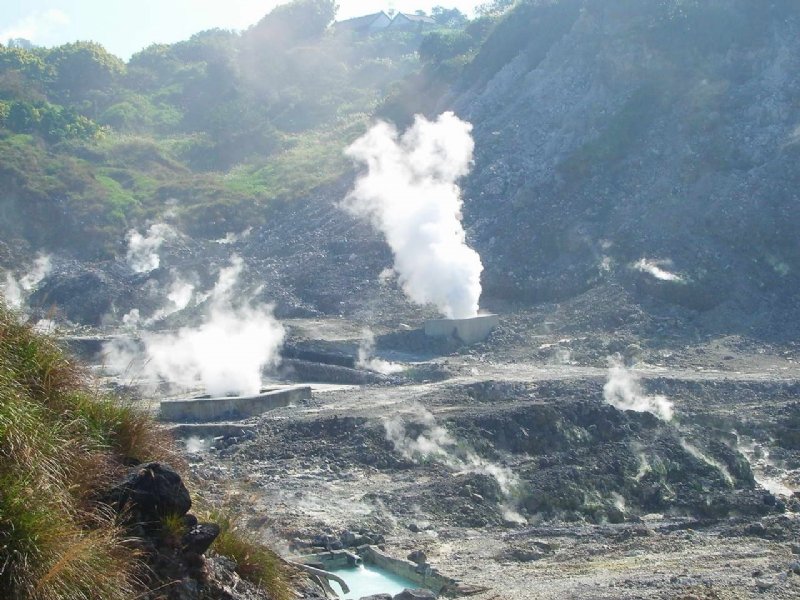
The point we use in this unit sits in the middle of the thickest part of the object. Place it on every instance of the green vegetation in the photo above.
(60, 442)
(226, 123)
(254, 562)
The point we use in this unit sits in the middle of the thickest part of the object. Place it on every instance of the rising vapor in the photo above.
(367, 359)
(225, 354)
(434, 442)
(623, 390)
(16, 291)
(409, 192)
(142, 255)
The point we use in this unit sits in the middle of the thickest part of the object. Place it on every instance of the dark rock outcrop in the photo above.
(200, 537)
(419, 594)
(151, 492)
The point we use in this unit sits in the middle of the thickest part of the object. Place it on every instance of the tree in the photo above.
(448, 17)
(295, 22)
(27, 63)
(439, 46)
(495, 7)
(81, 68)
(22, 117)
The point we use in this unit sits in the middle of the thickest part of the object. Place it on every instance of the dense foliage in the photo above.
(224, 122)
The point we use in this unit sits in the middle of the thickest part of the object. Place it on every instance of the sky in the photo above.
(125, 26)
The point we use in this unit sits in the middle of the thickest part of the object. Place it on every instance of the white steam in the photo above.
(142, 253)
(699, 455)
(409, 193)
(367, 359)
(767, 473)
(16, 291)
(13, 292)
(623, 391)
(179, 296)
(232, 238)
(654, 268)
(225, 354)
(436, 443)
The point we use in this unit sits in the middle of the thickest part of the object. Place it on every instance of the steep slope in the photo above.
(608, 133)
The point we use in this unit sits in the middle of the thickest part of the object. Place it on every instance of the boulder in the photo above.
(418, 556)
(151, 492)
(418, 594)
(200, 537)
(348, 538)
(80, 294)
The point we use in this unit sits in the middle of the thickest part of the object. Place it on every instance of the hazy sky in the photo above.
(126, 26)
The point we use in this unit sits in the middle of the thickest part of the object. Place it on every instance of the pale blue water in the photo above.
(364, 581)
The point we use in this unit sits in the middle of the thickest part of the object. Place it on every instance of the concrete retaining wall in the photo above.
(237, 407)
(422, 575)
(333, 560)
(469, 331)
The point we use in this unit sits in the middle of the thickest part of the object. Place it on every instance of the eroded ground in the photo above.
(506, 466)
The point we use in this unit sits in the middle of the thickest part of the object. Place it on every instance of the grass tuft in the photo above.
(254, 562)
(60, 442)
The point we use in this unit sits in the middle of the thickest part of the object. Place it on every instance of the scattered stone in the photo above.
(763, 585)
(536, 551)
(418, 594)
(199, 539)
(418, 556)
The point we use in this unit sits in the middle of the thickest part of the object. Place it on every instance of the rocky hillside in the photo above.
(650, 143)
(646, 145)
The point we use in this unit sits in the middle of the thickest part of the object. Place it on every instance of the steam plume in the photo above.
(409, 193)
(16, 291)
(367, 360)
(226, 353)
(623, 391)
(142, 253)
(435, 442)
(654, 268)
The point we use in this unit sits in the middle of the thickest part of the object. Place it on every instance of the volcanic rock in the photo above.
(200, 537)
(151, 491)
(419, 594)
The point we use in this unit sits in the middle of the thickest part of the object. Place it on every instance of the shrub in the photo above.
(254, 562)
(59, 441)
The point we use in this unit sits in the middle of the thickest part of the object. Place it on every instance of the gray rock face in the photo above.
(614, 132)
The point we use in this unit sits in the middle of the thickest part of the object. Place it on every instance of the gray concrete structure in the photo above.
(234, 407)
(469, 331)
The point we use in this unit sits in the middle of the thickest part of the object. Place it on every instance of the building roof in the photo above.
(417, 18)
(361, 22)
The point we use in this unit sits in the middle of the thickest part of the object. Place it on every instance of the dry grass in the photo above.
(58, 440)
(254, 562)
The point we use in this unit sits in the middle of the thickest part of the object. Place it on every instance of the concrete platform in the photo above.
(235, 407)
(469, 331)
